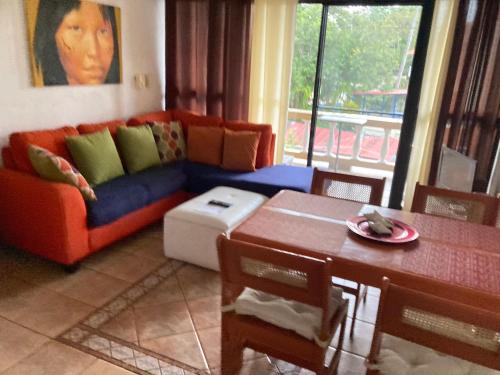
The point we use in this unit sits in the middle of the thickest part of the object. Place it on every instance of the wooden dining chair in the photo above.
(412, 317)
(303, 283)
(354, 188)
(346, 186)
(472, 207)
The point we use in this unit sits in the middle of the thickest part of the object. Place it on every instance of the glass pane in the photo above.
(366, 70)
(371, 143)
(308, 23)
(390, 156)
(297, 134)
(322, 137)
(368, 56)
(344, 143)
(307, 29)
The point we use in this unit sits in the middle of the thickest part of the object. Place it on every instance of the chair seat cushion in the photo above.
(128, 193)
(303, 319)
(401, 357)
(267, 181)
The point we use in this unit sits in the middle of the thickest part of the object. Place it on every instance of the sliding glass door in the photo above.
(356, 68)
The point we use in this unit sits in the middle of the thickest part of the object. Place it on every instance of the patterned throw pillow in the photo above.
(58, 169)
(169, 139)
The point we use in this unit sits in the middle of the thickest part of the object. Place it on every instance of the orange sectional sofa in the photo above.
(50, 219)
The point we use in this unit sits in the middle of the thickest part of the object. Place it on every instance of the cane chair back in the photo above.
(446, 326)
(471, 207)
(354, 188)
(288, 275)
(349, 187)
(283, 274)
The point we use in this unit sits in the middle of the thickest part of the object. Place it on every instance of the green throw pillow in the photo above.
(138, 148)
(96, 157)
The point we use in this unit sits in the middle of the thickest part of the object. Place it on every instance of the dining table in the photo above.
(452, 259)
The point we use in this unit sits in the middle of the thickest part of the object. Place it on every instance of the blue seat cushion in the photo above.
(128, 193)
(267, 181)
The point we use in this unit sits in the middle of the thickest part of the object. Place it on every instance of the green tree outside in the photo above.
(367, 48)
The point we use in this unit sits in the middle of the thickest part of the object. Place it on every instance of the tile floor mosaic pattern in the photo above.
(162, 317)
(88, 337)
(169, 323)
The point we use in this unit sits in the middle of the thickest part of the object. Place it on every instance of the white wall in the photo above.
(23, 107)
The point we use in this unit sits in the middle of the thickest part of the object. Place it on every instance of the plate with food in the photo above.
(378, 228)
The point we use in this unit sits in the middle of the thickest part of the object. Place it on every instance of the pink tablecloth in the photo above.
(451, 258)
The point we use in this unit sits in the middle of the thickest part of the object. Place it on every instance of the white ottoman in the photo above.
(190, 230)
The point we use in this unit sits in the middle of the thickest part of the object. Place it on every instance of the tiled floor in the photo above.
(154, 311)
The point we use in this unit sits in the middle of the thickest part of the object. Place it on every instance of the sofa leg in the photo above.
(72, 268)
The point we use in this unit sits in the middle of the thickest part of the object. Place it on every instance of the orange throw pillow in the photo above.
(240, 150)
(265, 143)
(205, 144)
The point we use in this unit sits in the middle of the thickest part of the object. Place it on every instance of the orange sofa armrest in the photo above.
(271, 150)
(7, 158)
(43, 217)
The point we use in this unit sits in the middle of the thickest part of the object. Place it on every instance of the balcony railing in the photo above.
(365, 141)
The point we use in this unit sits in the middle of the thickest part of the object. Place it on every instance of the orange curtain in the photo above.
(208, 56)
(469, 121)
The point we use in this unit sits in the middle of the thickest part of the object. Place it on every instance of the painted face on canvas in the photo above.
(85, 45)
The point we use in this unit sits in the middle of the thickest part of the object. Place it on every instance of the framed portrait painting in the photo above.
(73, 42)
